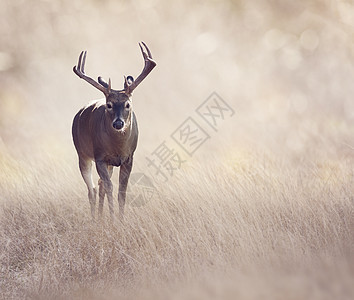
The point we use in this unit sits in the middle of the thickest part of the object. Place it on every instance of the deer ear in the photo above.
(128, 81)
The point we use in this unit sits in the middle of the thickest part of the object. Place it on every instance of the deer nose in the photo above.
(118, 124)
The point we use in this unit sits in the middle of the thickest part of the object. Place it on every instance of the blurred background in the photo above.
(285, 67)
(273, 186)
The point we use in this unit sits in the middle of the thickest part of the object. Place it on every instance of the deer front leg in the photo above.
(103, 172)
(86, 172)
(124, 174)
(102, 191)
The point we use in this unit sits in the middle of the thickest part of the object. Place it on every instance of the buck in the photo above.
(106, 132)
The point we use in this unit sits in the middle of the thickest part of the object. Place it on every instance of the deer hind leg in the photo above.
(86, 172)
(102, 170)
(102, 191)
(124, 174)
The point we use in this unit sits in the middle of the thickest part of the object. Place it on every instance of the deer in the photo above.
(105, 131)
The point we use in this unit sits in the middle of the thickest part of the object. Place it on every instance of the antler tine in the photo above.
(76, 68)
(143, 51)
(83, 62)
(149, 65)
(148, 50)
(79, 70)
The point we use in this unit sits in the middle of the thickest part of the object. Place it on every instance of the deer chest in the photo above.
(116, 161)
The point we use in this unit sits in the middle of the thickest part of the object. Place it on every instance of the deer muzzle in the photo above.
(118, 124)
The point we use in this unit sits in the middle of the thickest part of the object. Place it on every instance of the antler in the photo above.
(79, 71)
(149, 65)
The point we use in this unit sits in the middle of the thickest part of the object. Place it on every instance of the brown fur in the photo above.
(106, 132)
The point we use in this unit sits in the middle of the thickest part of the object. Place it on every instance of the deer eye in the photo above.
(127, 105)
(109, 106)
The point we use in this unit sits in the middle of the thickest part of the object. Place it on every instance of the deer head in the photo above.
(118, 102)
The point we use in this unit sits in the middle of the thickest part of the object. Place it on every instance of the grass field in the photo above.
(275, 231)
(264, 208)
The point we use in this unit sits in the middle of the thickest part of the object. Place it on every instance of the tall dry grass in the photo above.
(264, 209)
(271, 231)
